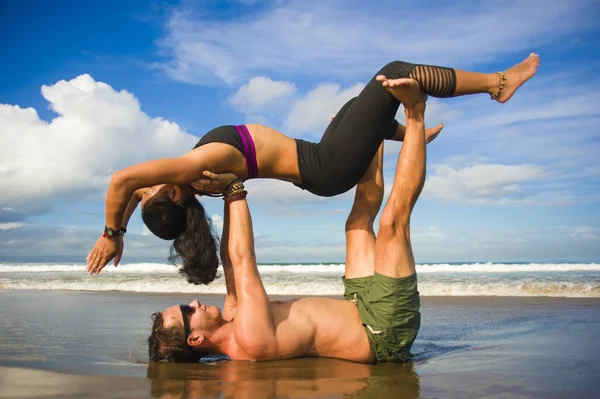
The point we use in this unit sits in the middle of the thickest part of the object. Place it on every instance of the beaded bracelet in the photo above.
(233, 193)
(234, 185)
(233, 188)
(235, 197)
(238, 180)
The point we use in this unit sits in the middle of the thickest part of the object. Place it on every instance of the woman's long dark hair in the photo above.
(195, 246)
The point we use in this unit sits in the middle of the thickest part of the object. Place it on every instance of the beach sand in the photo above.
(61, 344)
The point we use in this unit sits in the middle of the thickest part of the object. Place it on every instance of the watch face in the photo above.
(111, 232)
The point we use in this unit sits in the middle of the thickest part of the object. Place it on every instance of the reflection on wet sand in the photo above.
(299, 378)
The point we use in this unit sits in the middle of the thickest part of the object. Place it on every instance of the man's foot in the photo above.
(405, 90)
(432, 133)
(517, 75)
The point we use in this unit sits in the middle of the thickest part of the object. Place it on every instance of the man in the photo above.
(376, 322)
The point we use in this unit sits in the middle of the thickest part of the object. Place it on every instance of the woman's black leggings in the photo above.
(338, 162)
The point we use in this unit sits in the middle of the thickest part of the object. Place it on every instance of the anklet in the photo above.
(497, 94)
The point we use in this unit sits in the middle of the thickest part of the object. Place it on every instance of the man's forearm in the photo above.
(400, 132)
(241, 251)
(230, 305)
(241, 236)
(225, 258)
(415, 118)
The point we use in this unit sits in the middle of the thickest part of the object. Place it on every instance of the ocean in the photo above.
(573, 280)
(497, 330)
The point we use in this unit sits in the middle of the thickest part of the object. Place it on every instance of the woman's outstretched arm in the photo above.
(124, 183)
(121, 189)
(133, 203)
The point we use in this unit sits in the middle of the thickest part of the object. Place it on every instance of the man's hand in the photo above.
(214, 183)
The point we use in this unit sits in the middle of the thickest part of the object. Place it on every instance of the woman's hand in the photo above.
(103, 252)
(214, 183)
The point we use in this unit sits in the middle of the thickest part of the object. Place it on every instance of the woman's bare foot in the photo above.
(517, 75)
(405, 90)
(432, 133)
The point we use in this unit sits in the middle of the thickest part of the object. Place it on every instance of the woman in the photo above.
(334, 165)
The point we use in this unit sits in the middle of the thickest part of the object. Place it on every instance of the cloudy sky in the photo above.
(87, 88)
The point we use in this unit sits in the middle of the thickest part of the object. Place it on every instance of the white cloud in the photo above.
(584, 233)
(8, 226)
(481, 184)
(427, 235)
(437, 112)
(313, 112)
(490, 243)
(145, 230)
(304, 253)
(217, 222)
(98, 131)
(548, 104)
(336, 37)
(259, 92)
(36, 240)
(270, 191)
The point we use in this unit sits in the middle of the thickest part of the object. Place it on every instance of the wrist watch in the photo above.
(111, 233)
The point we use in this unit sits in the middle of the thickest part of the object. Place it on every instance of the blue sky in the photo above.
(87, 88)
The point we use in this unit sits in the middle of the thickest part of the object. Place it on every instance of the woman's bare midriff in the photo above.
(276, 154)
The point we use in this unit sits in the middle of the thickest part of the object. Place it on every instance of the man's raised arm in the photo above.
(254, 330)
(230, 305)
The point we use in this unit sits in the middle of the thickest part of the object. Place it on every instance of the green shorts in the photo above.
(389, 310)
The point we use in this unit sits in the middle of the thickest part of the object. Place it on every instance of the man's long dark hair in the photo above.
(195, 245)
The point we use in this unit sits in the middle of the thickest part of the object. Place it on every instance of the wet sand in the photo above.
(85, 344)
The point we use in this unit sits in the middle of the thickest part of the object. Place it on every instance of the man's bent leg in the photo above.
(360, 236)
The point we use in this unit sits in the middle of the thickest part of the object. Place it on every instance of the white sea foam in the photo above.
(318, 268)
(466, 288)
(541, 289)
(476, 279)
(506, 267)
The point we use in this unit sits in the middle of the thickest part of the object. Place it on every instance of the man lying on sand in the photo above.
(378, 319)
